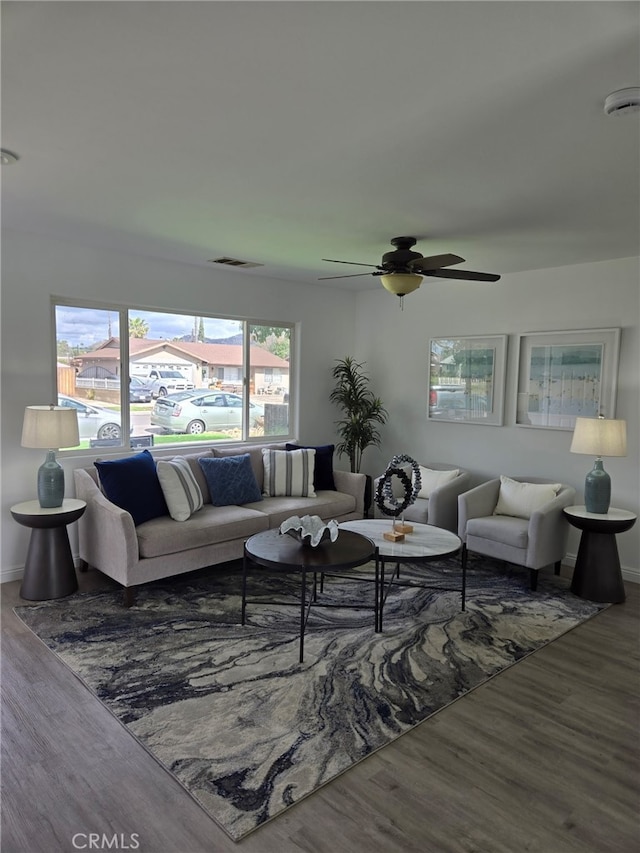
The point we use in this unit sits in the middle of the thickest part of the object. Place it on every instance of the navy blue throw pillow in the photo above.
(231, 480)
(132, 484)
(323, 472)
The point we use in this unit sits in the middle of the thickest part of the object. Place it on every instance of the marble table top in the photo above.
(614, 514)
(33, 507)
(426, 542)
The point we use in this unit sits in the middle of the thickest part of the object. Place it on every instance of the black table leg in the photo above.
(244, 588)
(381, 595)
(464, 583)
(49, 571)
(376, 605)
(597, 575)
(303, 607)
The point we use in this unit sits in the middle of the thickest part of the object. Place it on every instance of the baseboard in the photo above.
(16, 573)
(8, 575)
(628, 574)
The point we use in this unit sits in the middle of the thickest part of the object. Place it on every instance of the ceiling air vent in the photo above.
(235, 262)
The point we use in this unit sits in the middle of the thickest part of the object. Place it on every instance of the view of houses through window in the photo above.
(172, 378)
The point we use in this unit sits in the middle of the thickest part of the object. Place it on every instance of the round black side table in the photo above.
(597, 575)
(48, 571)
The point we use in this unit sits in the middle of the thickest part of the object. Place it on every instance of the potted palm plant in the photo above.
(363, 413)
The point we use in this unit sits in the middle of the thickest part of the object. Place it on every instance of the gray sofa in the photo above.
(110, 542)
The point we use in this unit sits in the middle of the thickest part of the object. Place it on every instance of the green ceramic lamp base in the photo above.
(597, 489)
(50, 482)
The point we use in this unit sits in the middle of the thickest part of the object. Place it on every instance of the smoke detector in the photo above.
(623, 101)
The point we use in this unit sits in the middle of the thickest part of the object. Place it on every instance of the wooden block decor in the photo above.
(404, 528)
(393, 536)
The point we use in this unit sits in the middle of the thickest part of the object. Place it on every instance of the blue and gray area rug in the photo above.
(248, 730)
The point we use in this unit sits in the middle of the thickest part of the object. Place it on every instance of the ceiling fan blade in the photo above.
(463, 275)
(435, 262)
(355, 275)
(353, 263)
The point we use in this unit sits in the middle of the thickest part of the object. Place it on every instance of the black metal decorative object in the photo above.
(402, 459)
(386, 501)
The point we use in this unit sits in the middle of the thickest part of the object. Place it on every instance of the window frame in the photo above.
(123, 313)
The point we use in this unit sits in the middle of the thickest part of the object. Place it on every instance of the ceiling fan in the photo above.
(401, 271)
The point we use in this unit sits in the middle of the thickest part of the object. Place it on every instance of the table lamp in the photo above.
(50, 427)
(599, 437)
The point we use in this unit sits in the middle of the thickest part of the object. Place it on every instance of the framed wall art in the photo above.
(466, 379)
(565, 375)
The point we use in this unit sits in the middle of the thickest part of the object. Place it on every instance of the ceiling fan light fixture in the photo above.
(623, 101)
(400, 283)
(8, 158)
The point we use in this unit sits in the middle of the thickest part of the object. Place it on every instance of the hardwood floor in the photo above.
(542, 758)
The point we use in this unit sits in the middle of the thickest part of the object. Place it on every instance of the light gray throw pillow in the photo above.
(181, 491)
(289, 472)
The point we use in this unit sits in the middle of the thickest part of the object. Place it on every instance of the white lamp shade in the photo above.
(599, 437)
(401, 283)
(50, 427)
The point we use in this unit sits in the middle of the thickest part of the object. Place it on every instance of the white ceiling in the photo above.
(287, 132)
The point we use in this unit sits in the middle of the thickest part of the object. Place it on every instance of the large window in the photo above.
(171, 378)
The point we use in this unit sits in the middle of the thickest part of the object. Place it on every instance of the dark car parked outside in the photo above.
(138, 391)
(98, 378)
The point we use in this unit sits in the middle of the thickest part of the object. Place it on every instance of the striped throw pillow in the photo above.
(288, 472)
(180, 488)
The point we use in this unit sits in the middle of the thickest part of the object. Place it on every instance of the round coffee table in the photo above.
(426, 543)
(283, 554)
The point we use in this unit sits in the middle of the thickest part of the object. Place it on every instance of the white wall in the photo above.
(34, 268)
(395, 344)
(369, 326)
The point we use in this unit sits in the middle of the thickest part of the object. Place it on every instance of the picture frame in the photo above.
(564, 375)
(467, 379)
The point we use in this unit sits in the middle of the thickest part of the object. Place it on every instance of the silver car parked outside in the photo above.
(195, 412)
(93, 421)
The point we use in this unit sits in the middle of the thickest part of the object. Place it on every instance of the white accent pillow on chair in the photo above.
(522, 499)
(430, 480)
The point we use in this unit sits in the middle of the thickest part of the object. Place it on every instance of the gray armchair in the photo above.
(440, 509)
(534, 542)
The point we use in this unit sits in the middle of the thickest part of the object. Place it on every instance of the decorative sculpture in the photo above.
(310, 530)
(394, 506)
